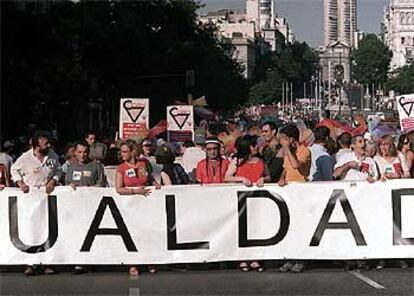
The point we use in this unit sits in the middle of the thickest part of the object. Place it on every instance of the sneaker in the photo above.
(380, 265)
(298, 267)
(286, 267)
(350, 265)
(363, 265)
(403, 264)
(48, 270)
(79, 270)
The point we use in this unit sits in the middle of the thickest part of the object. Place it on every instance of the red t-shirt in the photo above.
(251, 171)
(134, 176)
(205, 174)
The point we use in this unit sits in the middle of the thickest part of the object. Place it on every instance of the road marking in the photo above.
(133, 292)
(366, 280)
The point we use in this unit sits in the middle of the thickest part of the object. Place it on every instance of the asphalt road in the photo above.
(322, 281)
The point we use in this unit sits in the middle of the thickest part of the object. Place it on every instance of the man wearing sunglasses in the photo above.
(213, 168)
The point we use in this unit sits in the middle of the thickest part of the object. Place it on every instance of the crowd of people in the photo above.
(267, 153)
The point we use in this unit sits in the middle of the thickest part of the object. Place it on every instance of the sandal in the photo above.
(256, 266)
(152, 269)
(133, 271)
(244, 267)
(29, 270)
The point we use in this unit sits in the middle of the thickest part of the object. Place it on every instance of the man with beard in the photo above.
(270, 152)
(37, 167)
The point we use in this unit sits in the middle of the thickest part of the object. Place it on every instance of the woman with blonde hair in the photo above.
(132, 177)
(389, 164)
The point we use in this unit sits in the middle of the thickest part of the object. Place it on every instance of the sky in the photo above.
(306, 16)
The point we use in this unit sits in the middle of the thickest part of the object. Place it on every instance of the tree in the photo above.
(402, 80)
(371, 61)
(296, 63)
(57, 60)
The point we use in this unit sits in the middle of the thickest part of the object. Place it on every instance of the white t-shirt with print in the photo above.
(366, 167)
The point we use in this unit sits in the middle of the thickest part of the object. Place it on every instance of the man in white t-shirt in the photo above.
(356, 166)
(38, 166)
(345, 142)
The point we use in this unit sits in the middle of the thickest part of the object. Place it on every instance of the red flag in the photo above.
(158, 129)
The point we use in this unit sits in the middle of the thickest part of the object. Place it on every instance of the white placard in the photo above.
(405, 106)
(180, 118)
(133, 117)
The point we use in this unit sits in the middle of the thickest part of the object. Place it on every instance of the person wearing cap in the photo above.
(147, 152)
(171, 173)
(213, 168)
(147, 148)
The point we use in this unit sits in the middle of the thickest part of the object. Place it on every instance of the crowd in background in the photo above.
(298, 150)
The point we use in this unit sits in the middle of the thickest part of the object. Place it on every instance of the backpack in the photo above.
(180, 176)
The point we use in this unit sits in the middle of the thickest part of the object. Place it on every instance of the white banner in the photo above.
(405, 106)
(133, 117)
(178, 224)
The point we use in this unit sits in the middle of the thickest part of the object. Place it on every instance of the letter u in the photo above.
(14, 226)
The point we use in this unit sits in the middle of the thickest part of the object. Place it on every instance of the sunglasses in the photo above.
(406, 143)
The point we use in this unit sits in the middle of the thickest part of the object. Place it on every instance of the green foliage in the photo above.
(402, 80)
(371, 61)
(57, 60)
(296, 63)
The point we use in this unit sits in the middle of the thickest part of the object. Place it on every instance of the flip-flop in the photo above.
(244, 267)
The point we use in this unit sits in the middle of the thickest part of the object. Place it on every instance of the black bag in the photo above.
(180, 176)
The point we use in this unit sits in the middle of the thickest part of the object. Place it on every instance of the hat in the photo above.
(164, 154)
(213, 140)
(146, 142)
(163, 150)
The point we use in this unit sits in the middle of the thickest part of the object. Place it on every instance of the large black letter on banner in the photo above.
(172, 229)
(121, 229)
(351, 223)
(396, 213)
(14, 226)
(284, 219)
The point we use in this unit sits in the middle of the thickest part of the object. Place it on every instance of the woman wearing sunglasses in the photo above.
(389, 164)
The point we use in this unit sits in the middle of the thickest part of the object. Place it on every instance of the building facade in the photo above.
(256, 29)
(340, 21)
(398, 31)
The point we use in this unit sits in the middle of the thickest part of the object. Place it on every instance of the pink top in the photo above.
(135, 176)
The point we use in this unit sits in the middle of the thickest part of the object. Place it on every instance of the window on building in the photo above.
(402, 18)
(402, 40)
